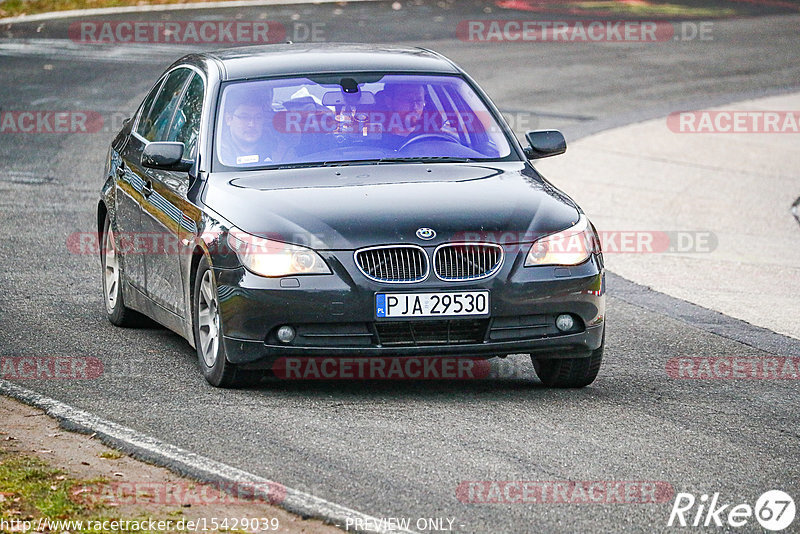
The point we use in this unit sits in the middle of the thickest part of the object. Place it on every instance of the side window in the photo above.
(160, 114)
(144, 125)
(185, 126)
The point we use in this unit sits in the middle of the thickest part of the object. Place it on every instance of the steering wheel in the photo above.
(423, 137)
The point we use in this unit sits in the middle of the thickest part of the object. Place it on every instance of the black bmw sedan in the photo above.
(346, 200)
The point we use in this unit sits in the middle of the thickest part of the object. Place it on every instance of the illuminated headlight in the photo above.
(567, 247)
(273, 258)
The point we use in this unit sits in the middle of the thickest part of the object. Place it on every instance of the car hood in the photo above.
(349, 207)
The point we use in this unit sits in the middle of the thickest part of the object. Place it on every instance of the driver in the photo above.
(405, 103)
(244, 139)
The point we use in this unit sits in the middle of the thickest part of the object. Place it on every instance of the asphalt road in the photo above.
(402, 449)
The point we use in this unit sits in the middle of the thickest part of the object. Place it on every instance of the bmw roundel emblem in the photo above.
(426, 233)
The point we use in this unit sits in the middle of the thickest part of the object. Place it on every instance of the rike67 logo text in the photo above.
(774, 510)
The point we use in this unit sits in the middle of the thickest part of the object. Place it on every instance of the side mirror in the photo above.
(545, 143)
(165, 155)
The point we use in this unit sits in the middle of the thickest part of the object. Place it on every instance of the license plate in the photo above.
(432, 304)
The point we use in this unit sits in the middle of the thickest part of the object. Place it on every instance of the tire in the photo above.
(216, 368)
(569, 372)
(112, 278)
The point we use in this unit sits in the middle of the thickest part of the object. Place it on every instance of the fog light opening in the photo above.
(565, 322)
(286, 334)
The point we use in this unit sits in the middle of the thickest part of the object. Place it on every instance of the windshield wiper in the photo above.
(312, 164)
(375, 161)
(427, 159)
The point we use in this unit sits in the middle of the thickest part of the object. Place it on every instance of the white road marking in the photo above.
(24, 177)
(184, 462)
(64, 48)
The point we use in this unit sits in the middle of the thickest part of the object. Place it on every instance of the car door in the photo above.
(167, 213)
(154, 117)
(129, 195)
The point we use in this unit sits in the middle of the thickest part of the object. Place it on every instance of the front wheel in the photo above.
(217, 370)
(569, 372)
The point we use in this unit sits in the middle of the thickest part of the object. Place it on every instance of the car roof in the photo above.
(287, 59)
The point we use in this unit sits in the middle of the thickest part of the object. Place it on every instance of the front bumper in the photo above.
(334, 315)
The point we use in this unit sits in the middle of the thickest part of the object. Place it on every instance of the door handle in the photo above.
(147, 188)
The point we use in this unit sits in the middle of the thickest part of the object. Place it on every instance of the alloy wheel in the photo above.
(208, 320)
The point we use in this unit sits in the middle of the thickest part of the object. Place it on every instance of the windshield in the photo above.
(342, 118)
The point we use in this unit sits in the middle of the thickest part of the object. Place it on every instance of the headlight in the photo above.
(273, 258)
(567, 247)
